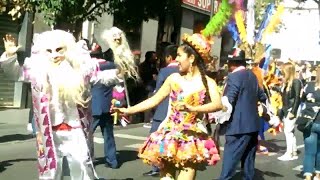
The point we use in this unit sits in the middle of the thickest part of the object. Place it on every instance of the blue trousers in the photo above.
(311, 161)
(154, 127)
(105, 122)
(240, 147)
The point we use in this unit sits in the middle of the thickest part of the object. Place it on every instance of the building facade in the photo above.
(15, 94)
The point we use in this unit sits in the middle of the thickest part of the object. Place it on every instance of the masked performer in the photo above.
(60, 74)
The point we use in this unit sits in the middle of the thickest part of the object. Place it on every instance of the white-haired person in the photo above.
(61, 75)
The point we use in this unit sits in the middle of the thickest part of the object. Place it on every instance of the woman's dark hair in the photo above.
(200, 64)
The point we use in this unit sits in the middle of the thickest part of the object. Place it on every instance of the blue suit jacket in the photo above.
(102, 94)
(162, 109)
(243, 94)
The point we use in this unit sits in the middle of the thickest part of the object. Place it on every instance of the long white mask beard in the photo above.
(69, 84)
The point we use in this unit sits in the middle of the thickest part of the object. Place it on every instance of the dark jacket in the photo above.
(162, 109)
(308, 96)
(243, 94)
(291, 99)
(102, 94)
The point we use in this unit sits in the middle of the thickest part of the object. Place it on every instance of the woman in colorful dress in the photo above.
(182, 143)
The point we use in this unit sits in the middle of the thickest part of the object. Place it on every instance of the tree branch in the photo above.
(95, 7)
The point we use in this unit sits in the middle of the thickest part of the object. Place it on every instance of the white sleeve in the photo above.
(106, 77)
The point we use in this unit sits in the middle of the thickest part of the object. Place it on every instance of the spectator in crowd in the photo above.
(148, 72)
(291, 101)
(311, 132)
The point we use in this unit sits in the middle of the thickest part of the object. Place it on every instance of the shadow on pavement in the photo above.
(5, 164)
(300, 175)
(123, 156)
(259, 175)
(272, 146)
(15, 137)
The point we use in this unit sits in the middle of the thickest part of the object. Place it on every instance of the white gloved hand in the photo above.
(223, 116)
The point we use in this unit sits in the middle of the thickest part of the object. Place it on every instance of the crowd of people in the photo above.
(76, 88)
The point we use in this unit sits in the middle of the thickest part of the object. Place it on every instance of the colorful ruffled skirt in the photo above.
(181, 148)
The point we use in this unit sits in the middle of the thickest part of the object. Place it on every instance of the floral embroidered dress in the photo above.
(180, 140)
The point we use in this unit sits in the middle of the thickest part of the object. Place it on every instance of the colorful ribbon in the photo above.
(274, 21)
(240, 25)
(266, 19)
(232, 28)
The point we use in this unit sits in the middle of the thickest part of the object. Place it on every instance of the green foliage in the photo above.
(132, 12)
(53, 11)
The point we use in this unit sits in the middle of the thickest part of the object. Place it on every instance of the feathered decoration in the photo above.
(275, 20)
(219, 20)
(238, 3)
(232, 28)
(240, 24)
(265, 21)
(250, 22)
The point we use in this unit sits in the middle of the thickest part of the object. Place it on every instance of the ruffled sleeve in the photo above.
(94, 74)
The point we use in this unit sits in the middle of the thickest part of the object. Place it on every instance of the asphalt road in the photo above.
(17, 157)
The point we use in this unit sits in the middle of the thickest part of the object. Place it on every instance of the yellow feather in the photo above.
(275, 20)
(240, 24)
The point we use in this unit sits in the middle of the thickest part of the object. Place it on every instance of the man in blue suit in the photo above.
(160, 114)
(241, 131)
(101, 104)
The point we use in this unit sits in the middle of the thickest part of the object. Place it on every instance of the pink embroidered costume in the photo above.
(61, 75)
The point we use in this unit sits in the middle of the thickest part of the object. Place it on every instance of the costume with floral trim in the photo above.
(180, 140)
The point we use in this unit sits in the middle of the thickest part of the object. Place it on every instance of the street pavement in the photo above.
(17, 156)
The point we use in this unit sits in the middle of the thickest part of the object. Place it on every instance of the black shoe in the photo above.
(152, 173)
(107, 165)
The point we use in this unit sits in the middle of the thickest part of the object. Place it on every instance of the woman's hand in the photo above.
(124, 111)
(10, 45)
(182, 106)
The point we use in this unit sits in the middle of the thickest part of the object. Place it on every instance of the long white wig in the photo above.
(66, 79)
(123, 56)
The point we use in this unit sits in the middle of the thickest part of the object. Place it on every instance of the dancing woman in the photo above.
(181, 142)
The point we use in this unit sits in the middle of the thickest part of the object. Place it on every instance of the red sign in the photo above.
(204, 5)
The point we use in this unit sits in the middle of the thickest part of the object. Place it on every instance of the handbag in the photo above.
(310, 112)
(306, 118)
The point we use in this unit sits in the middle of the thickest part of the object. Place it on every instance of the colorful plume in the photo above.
(219, 20)
(240, 24)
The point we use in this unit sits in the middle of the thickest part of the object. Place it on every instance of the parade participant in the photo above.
(170, 54)
(60, 75)
(291, 101)
(243, 93)
(181, 142)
